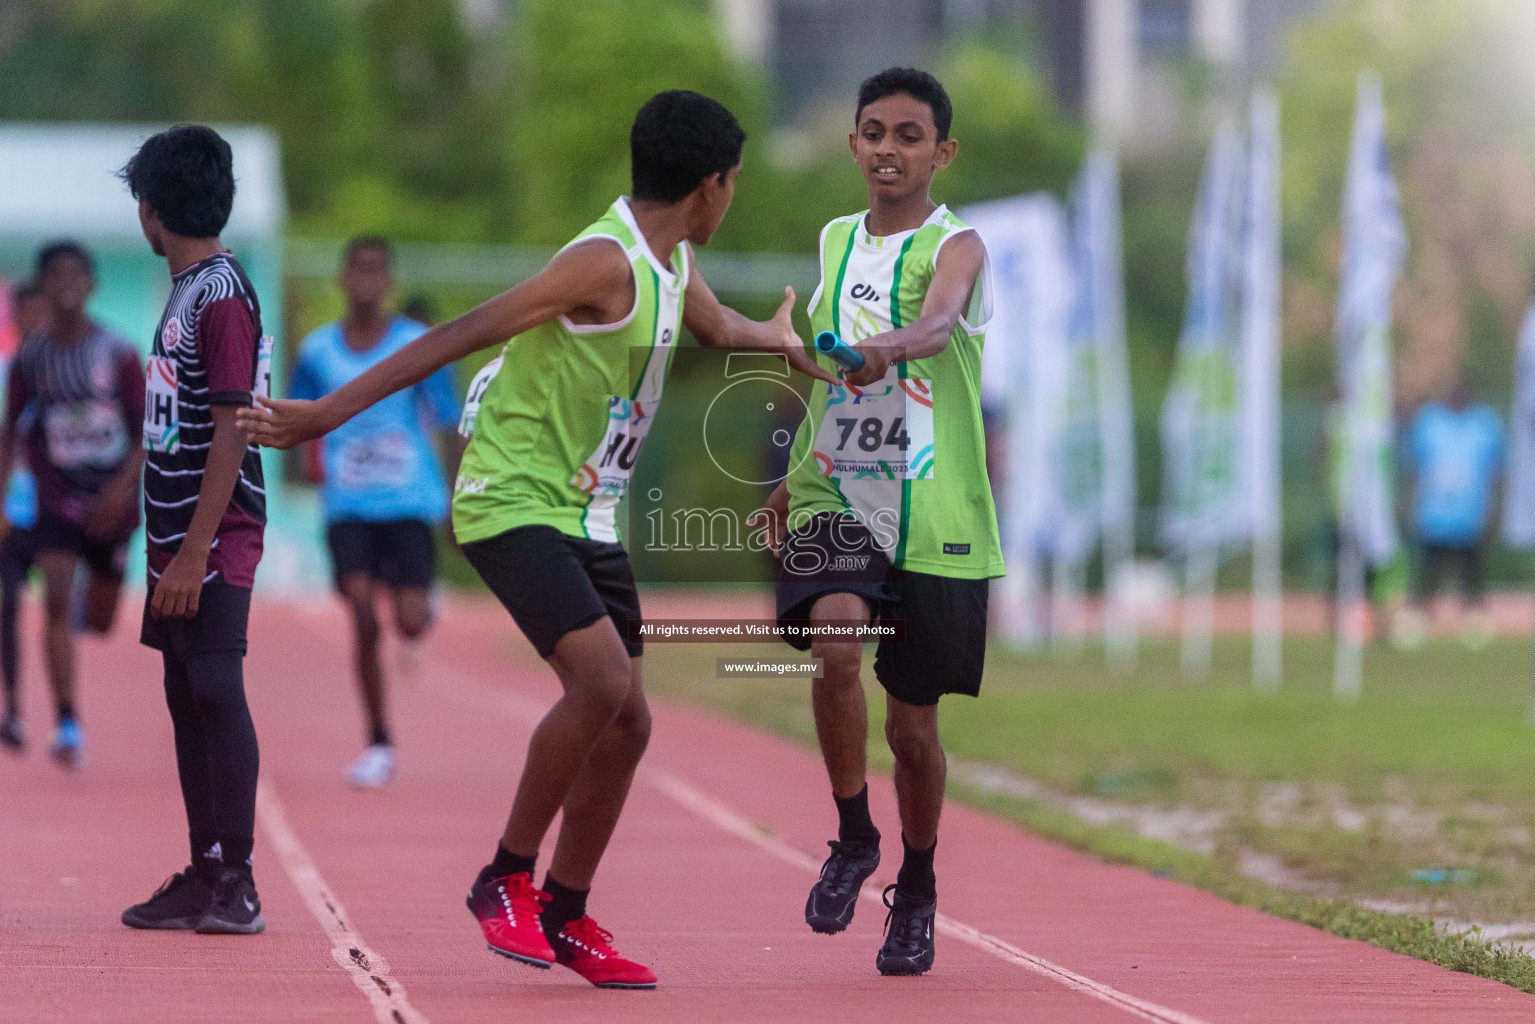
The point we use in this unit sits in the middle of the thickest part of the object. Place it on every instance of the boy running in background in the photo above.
(556, 424)
(76, 394)
(893, 517)
(205, 502)
(18, 549)
(383, 489)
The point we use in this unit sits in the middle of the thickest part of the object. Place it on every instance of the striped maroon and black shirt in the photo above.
(211, 329)
(77, 408)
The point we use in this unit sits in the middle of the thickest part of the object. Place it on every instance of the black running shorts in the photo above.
(554, 583)
(17, 553)
(396, 552)
(223, 612)
(944, 648)
(106, 559)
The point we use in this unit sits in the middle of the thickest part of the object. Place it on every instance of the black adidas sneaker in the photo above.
(235, 910)
(834, 896)
(176, 906)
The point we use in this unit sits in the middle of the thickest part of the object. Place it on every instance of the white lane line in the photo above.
(729, 821)
(368, 970)
(527, 711)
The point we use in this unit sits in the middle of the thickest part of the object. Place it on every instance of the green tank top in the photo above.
(906, 455)
(556, 421)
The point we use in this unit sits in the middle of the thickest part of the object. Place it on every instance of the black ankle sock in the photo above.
(65, 710)
(237, 853)
(207, 857)
(853, 822)
(506, 863)
(567, 905)
(378, 736)
(916, 878)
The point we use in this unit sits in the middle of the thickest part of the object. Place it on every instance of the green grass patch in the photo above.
(1399, 933)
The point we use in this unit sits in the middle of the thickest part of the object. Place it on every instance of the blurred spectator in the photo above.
(1455, 455)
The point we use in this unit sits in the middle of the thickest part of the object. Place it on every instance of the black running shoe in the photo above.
(908, 947)
(834, 896)
(235, 910)
(176, 906)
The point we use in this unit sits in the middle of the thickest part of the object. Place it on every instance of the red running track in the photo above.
(363, 891)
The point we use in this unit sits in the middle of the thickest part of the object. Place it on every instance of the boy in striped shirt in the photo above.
(205, 508)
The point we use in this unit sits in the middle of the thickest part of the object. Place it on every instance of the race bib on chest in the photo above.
(884, 431)
(477, 389)
(379, 461)
(606, 472)
(162, 421)
(85, 435)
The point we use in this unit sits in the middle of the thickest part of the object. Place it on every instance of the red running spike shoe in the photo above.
(585, 947)
(507, 909)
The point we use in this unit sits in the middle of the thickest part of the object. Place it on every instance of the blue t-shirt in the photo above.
(1456, 458)
(380, 465)
(20, 502)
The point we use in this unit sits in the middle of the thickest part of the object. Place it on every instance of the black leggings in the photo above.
(216, 753)
(10, 613)
(16, 553)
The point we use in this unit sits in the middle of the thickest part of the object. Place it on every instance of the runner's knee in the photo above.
(412, 615)
(840, 663)
(601, 691)
(101, 606)
(633, 726)
(913, 740)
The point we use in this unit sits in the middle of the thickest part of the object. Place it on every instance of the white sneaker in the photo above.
(374, 768)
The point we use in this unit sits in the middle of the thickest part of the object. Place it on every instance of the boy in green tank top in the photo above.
(555, 424)
(887, 507)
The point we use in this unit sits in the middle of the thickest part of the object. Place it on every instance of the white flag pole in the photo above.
(1199, 610)
(1260, 330)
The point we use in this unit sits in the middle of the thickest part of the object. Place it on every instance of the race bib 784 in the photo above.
(883, 431)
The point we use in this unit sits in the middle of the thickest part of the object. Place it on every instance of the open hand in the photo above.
(793, 347)
(283, 423)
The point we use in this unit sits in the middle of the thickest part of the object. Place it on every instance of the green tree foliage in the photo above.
(580, 72)
(393, 118)
(1460, 110)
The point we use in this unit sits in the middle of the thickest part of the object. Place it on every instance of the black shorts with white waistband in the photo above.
(943, 649)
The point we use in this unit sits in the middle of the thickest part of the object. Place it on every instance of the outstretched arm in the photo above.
(716, 325)
(592, 278)
(954, 276)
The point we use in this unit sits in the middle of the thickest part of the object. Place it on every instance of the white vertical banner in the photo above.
(1024, 370)
(1259, 386)
(1374, 251)
(1101, 308)
(1202, 509)
(1519, 494)
(1519, 497)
